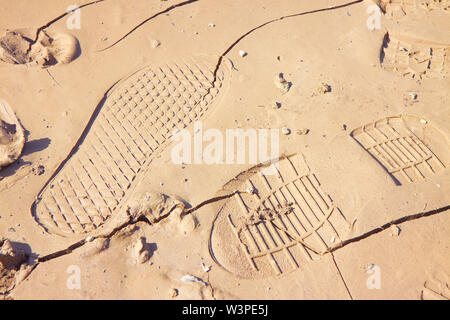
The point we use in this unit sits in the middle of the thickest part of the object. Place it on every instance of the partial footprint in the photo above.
(12, 137)
(409, 148)
(131, 126)
(276, 223)
(397, 9)
(17, 47)
(436, 289)
(415, 58)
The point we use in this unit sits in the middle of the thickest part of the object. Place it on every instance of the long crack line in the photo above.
(388, 225)
(223, 55)
(148, 19)
(130, 221)
(276, 20)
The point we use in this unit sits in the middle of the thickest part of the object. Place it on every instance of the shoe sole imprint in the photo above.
(408, 148)
(435, 289)
(415, 58)
(399, 8)
(286, 221)
(132, 124)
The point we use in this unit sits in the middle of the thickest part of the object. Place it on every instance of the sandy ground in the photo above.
(94, 205)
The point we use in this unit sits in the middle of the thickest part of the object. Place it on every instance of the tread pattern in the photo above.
(134, 124)
(287, 220)
(398, 149)
(400, 8)
(416, 59)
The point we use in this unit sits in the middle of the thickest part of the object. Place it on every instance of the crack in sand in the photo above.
(388, 225)
(142, 218)
(223, 55)
(131, 221)
(341, 276)
(51, 76)
(148, 19)
(276, 20)
(211, 200)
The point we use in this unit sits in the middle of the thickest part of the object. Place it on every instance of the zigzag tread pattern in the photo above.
(135, 123)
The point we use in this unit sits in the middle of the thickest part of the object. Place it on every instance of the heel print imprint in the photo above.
(414, 58)
(398, 144)
(278, 224)
(435, 289)
(132, 124)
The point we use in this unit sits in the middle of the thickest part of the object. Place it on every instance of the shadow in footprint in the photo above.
(384, 45)
(29, 148)
(149, 247)
(35, 146)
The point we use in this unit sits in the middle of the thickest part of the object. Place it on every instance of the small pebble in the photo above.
(39, 170)
(282, 84)
(302, 132)
(242, 53)
(395, 230)
(251, 190)
(173, 293)
(211, 25)
(423, 121)
(413, 95)
(276, 105)
(155, 43)
(285, 131)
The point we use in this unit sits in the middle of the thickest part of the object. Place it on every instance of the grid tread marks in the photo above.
(287, 220)
(405, 156)
(135, 122)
